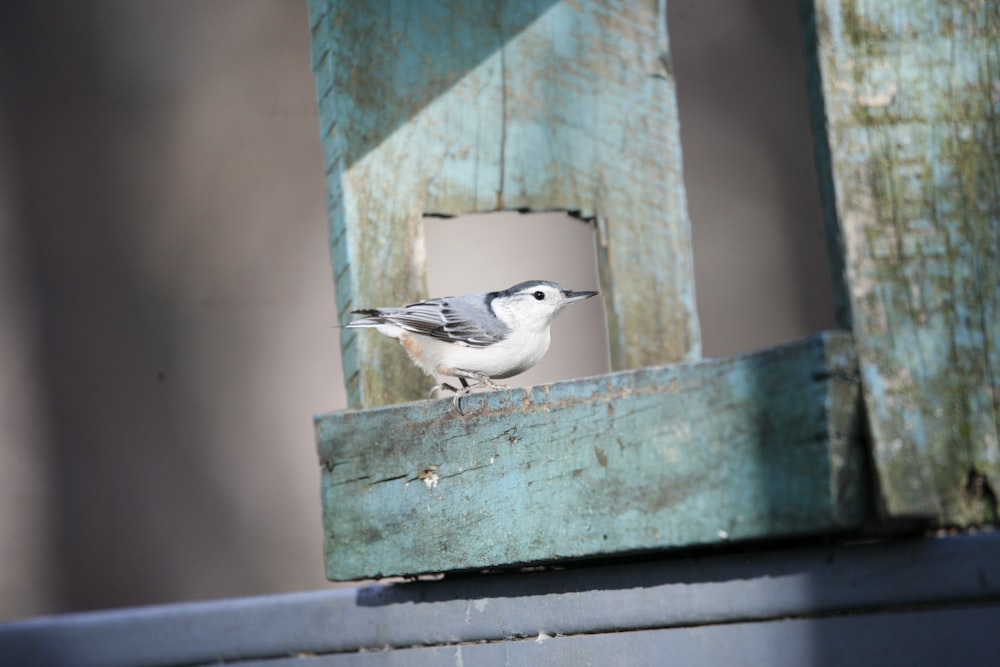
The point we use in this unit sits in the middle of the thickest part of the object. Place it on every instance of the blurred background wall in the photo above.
(167, 323)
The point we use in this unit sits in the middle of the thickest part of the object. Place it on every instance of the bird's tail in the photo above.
(373, 318)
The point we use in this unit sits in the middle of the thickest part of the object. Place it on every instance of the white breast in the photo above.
(509, 357)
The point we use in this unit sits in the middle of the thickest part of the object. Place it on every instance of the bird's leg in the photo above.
(457, 401)
(480, 379)
(490, 383)
(443, 385)
(458, 391)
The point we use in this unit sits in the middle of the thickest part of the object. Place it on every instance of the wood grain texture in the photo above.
(701, 453)
(906, 120)
(458, 107)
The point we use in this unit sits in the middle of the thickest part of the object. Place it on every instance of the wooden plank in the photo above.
(719, 588)
(459, 107)
(906, 118)
(701, 453)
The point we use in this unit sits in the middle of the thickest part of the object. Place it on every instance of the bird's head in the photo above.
(533, 304)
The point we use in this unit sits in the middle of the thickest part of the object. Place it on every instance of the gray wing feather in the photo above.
(465, 320)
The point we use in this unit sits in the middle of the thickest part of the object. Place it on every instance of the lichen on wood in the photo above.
(905, 114)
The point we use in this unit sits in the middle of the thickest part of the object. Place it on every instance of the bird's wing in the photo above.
(470, 321)
(464, 321)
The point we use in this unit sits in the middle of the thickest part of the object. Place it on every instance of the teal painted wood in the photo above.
(906, 118)
(459, 107)
(701, 453)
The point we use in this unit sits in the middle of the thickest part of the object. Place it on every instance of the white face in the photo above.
(535, 305)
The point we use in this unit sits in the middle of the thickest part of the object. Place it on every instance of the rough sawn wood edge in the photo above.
(761, 446)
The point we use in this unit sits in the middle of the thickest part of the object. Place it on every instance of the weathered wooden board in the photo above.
(906, 117)
(457, 107)
(701, 453)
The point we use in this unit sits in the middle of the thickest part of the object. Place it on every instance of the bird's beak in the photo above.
(572, 296)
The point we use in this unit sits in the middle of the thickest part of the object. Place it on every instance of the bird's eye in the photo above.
(540, 295)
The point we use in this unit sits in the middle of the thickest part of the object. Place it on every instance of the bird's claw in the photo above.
(443, 385)
(478, 380)
(491, 384)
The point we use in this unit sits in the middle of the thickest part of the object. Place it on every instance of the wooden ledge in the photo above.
(765, 445)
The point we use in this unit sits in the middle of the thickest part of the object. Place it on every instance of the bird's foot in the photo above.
(438, 387)
(477, 380)
(483, 380)
(457, 400)
(458, 391)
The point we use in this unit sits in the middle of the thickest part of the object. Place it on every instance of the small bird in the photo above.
(478, 337)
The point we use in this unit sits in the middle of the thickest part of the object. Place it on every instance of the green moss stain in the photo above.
(910, 105)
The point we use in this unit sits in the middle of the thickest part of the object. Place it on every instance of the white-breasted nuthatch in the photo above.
(478, 337)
